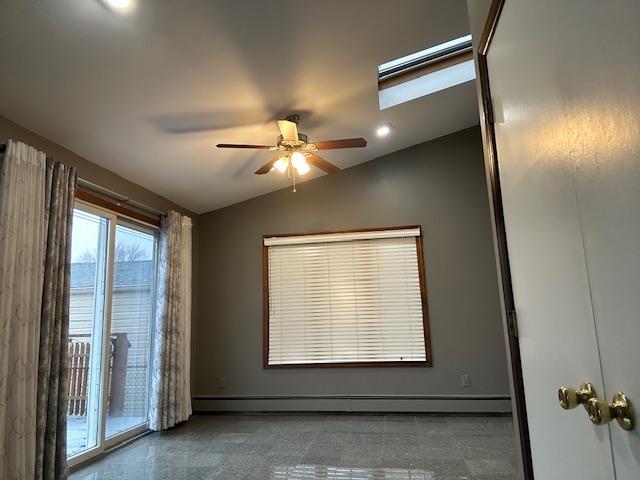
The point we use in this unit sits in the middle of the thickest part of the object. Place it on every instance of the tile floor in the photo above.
(309, 447)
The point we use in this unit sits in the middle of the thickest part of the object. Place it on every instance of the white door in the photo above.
(565, 84)
(604, 100)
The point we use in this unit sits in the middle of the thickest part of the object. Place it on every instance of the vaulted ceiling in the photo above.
(149, 94)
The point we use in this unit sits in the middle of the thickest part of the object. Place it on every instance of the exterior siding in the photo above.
(131, 314)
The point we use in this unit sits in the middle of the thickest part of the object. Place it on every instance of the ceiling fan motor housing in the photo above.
(295, 118)
(301, 137)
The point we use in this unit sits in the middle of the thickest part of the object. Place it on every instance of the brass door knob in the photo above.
(602, 412)
(571, 398)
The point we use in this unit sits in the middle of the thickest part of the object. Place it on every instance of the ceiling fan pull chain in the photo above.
(293, 170)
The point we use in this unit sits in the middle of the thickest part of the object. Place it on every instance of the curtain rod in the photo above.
(109, 193)
(87, 185)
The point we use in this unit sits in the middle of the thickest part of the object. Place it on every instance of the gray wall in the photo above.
(439, 185)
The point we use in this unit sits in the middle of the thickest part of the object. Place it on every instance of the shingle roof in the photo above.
(125, 274)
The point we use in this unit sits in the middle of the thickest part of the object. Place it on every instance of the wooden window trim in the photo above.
(420, 71)
(99, 201)
(423, 295)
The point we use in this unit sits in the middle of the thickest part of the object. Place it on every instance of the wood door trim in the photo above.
(491, 164)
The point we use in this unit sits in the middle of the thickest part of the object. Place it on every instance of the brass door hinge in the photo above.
(512, 322)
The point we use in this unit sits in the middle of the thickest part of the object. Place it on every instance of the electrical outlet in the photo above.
(465, 380)
(222, 382)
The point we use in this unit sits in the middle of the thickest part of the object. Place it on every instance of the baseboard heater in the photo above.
(351, 397)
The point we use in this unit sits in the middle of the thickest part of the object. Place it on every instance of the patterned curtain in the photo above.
(22, 239)
(36, 201)
(52, 402)
(170, 382)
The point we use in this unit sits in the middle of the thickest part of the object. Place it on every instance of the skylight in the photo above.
(427, 71)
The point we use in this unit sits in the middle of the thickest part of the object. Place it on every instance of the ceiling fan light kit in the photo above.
(296, 154)
(299, 162)
(282, 164)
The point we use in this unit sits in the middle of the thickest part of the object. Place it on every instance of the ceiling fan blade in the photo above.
(344, 143)
(289, 130)
(266, 168)
(242, 145)
(321, 163)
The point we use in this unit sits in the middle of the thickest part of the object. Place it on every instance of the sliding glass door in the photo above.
(113, 274)
(87, 313)
(131, 315)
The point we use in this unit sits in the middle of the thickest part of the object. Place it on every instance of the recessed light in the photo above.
(119, 5)
(383, 130)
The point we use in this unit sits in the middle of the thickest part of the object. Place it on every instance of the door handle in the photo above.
(602, 412)
(570, 398)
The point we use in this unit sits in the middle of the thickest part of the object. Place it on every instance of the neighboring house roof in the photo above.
(126, 274)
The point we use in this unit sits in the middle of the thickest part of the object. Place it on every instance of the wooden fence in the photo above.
(79, 358)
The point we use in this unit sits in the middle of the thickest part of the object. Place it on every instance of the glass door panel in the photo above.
(132, 309)
(89, 252)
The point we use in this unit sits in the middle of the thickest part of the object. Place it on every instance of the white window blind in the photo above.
(345, 298)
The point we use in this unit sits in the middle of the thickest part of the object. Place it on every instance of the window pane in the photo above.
(131, 318)
(86, 320)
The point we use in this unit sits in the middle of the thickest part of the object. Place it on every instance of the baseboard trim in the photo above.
(353, 403)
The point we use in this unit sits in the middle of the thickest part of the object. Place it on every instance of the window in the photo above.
(345, 299)
(425, 72)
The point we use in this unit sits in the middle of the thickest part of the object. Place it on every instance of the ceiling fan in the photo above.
(295, 153)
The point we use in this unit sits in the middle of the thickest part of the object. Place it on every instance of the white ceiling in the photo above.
(123, 91)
